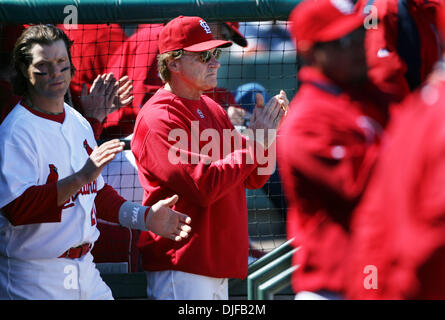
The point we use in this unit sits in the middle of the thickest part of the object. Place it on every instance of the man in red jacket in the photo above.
(173, 154)
(137, 60)
(398, 243)
(328, 143)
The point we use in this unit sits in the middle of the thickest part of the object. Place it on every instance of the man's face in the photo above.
(50, 70)
(196, 74)
(344, 60)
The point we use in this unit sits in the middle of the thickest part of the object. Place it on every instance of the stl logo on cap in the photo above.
(205, 26)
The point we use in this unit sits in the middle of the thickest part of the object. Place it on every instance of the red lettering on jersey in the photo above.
(89, 188)
(93, 215)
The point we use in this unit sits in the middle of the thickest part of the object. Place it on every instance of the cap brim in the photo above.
(208, 45)
(237, 37)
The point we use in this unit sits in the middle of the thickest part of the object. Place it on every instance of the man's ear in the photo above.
(173, 65)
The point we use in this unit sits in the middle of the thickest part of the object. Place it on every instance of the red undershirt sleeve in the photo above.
(38, 204)
(97, 127)
(108, 203)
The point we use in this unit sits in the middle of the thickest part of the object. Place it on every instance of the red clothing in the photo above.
(404, 47)
(424, 14)
(224, 97)
(399, 225)
(212, 194)
(120, 123)
(115, 243)
(95, 45)
(38, 204)
(386, 67)
(9, 33)
(138, 60)
(8, 100)
(327, 147)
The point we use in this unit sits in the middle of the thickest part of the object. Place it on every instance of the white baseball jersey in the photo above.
(33, 151)
(30, 148)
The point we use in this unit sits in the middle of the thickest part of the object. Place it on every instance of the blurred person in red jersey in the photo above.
(328, 143)
(402, 44)
(212, 187)
(398, 242)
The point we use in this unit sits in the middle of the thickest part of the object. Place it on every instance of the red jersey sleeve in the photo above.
(266, 166)
(331, 152)
(108, 203)
(265, 159)
(38, 204)
(97, 127)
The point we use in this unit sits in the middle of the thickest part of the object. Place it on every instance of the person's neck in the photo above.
(45, 105)
(182, 91)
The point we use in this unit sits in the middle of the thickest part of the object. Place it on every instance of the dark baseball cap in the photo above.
(237, 37)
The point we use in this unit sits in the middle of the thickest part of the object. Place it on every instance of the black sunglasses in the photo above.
(205, 56)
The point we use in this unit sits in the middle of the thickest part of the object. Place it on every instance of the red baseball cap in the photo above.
(237, 37)
(188, 33)
(322, 21)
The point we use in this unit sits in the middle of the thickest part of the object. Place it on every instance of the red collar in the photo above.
(54, 117)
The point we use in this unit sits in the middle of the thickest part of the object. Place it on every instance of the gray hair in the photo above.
(163, 59)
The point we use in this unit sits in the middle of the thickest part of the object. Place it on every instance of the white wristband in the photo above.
(132, 215)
